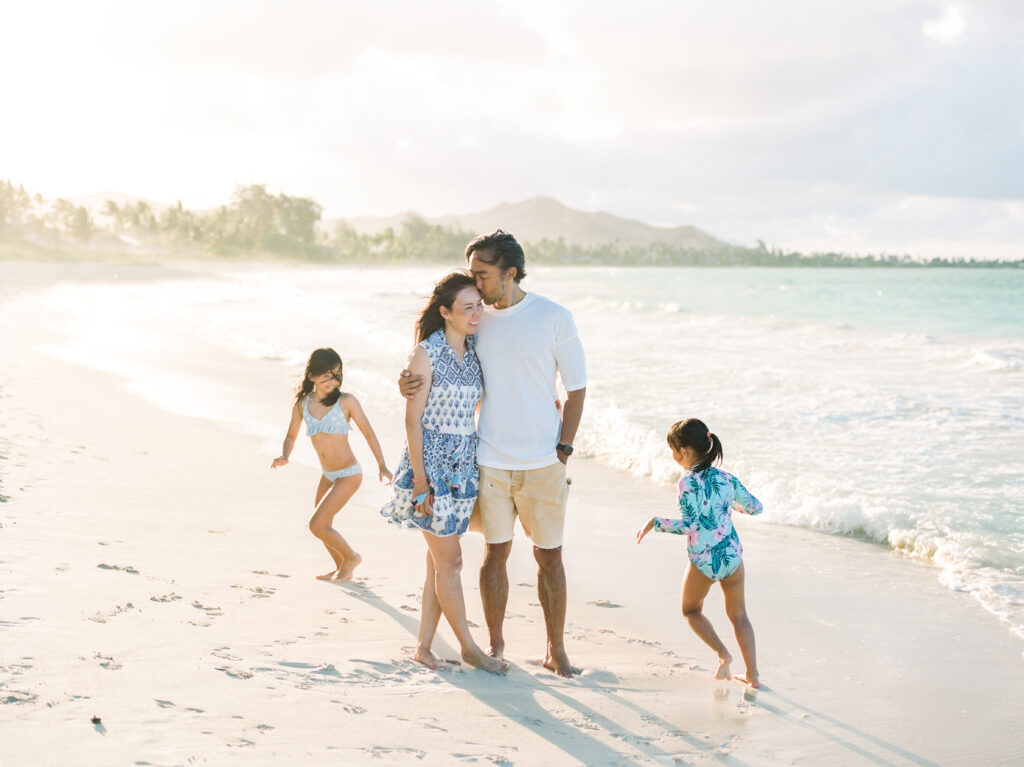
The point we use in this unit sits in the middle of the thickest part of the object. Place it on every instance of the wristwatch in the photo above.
(566, 449)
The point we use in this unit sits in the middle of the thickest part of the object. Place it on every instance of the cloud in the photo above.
(947, 28)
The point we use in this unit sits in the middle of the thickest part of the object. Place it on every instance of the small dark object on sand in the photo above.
(96, 720)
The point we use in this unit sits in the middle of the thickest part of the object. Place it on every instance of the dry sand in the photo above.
(156, 574)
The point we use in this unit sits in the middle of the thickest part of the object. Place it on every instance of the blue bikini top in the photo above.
(333, 421)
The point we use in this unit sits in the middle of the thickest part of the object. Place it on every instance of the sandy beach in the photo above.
(156, 575)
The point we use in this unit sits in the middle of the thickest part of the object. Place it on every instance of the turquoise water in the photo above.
(883, 404)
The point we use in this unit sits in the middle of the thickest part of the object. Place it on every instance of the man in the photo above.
(524, 341)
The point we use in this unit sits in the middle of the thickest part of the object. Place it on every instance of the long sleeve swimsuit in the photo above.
(706, 501)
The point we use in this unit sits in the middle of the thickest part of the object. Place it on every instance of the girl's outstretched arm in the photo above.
(743, 500)
(355, 412)
(684, 524)
(644, 530)
(289, 438)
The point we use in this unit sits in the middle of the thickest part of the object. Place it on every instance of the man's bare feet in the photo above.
(479, 659)
(349, 567)
(723, 671)
(426, 657)
(558, 662)
(749, 679)
(328, 576)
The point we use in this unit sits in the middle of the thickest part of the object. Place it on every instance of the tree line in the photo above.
(258, 222)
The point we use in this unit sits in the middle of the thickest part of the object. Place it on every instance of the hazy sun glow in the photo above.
(803, 124)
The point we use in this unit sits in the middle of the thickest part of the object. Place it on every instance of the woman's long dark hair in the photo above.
(693, 433)
(444, 294)
(320, 361)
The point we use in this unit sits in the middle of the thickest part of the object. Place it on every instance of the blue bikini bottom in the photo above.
(348, 471)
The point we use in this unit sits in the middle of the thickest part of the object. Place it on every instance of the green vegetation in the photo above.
(257, 223)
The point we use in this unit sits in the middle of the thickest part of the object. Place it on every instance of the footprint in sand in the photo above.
(126, 569)
(163, 703)
(172, 597)
(258, 592)
(349, 708)
(644, 642)
(107, 662)
(223, 654)
(16, 696)
(102, 617)
(603, 603)
(211, 611)
(380, 751)
(235, 673)
(231, 741)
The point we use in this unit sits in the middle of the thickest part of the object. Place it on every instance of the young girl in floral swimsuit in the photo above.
(706, 497)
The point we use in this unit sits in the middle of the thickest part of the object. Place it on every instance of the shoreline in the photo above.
(170, 592)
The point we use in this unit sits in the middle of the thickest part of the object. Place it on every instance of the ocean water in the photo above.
(882, 404)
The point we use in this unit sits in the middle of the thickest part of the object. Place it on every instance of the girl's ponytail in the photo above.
(714, 454)
(694, 434)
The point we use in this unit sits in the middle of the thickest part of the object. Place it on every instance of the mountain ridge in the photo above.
(541, 217)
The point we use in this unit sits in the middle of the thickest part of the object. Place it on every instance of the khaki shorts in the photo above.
(537, 496)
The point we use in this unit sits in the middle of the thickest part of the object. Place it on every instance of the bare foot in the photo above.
(478, 659)
(723, 671)
(349, 567)
(559, 663)
(328, 576)
(497, 649)
(750, 679)
(426, 657)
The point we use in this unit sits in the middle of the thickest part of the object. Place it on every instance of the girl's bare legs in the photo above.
(447, 556)
(695, 587)
(736, 609)
(430, 614)
(329, 502)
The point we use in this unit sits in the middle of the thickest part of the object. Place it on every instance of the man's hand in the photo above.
(408, 384)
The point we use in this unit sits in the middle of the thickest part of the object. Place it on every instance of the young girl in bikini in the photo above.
(706, 497)
(327, 412)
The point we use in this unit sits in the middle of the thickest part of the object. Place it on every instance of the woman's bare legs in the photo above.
(430, 614)
(447, 557)
(736, 609)
(329, 501)
(695, 587)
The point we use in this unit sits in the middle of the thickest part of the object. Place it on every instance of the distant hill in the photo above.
(546, 218)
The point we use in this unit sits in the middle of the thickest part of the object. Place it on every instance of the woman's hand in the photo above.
(644, 530)
(409, 384)
(279, 461)
(426, 507)
(384, 475)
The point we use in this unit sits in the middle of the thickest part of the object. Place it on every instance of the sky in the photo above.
(890, 126)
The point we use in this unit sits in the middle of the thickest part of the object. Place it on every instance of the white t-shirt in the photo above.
(521, 350)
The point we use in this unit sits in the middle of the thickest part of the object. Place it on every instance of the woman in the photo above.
(436, 483)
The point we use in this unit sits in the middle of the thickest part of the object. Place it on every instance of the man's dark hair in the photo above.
(500, 249)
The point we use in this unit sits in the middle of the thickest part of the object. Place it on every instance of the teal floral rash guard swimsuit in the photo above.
(706, 500)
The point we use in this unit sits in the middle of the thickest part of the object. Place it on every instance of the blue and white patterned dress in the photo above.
(449, 443)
